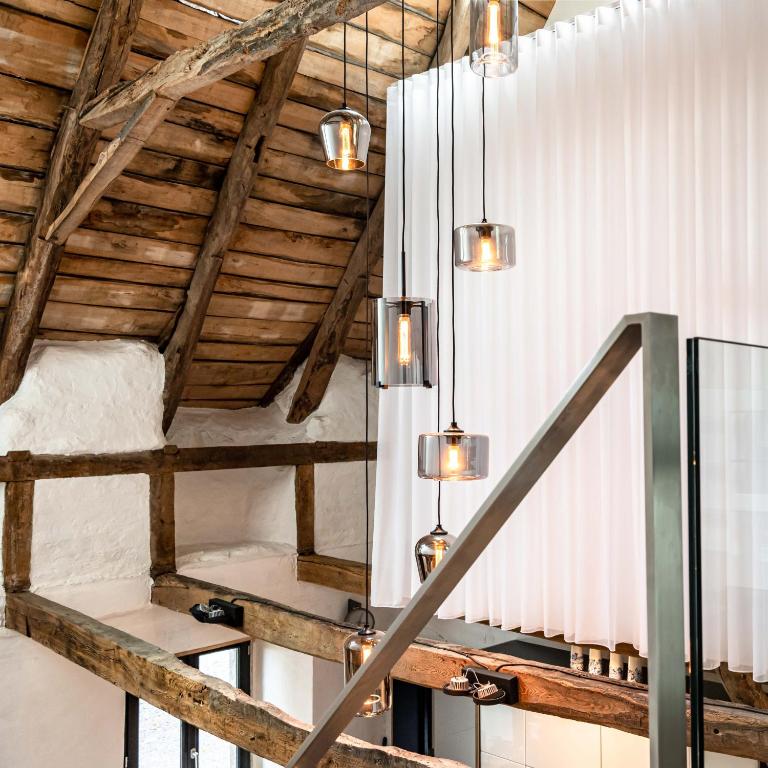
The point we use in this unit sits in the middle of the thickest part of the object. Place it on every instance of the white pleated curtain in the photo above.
(630, 152)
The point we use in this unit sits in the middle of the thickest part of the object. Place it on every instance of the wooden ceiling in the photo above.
(126, 270)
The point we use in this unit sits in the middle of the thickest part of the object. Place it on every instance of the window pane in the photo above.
(215, 753)
(159, 738)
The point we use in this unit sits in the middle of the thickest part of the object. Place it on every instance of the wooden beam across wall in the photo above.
(235, 192)
(161, 679)
(51, 466)
(333, 572)
(337, 320)
(729, 728)
(105, 56)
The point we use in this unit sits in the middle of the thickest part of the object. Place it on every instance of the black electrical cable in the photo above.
(437, 212)
(402, 141)
(482, 111)
(367, 346)
(453, 225)
(344, 98)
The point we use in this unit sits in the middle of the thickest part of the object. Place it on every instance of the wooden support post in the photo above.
(17, 531)
(162, 520)
(552, 690)
(205, 702)
(238, 183)
(304, 485)
(337, 320)
(107, 51)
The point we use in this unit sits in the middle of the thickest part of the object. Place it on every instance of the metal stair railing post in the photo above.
(657, 335)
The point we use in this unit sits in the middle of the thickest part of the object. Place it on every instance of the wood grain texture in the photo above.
(163, 680)
(304, 492)
(332, 572)
(552, 690)
(104, 57)
(17, 533)
(338, 318)
(241, 173)
(742, 688)
(15, 468)
(162, 521)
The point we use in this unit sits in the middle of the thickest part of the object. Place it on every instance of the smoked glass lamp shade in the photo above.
(484, 247)
(431, 549)
(345, 135)
(404, 343)
(453, 455)
(357, 649)
(493, 37)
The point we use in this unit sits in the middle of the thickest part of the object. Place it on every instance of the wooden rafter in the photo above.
(165, 681)
(105, 56)
(730, 729)
(337, 320)
(241, 173)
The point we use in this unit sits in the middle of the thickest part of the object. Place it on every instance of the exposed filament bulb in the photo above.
(453, 458)
(487, 251)
(345, 134)
(404, 348)
(493, 33)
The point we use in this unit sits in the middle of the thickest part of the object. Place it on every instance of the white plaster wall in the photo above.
(90, 541)
(232, 509)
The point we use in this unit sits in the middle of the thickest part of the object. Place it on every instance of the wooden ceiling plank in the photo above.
(105, 55)
(246, 353)
(337, 320)
(238, 182)
(165, 681)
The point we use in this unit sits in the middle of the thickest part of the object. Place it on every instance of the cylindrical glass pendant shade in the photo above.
(493, 37)
(404, 343)
(453, 455)
(484, 247)
(345, 136)
(431, 549)
(357, 649)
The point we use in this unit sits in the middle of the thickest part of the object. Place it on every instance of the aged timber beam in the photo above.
(729, 728)
(162, 520)
(238, 182)
(104, 58)
(337, 319)
(51, 466)
(17, 531)
(333, 572)
(190, 69)
(742, 688)
(165, 681)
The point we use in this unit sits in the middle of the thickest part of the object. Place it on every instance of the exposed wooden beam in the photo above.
(17, 531)
(206, 702)
(51, 466)
(304, 491)
(284, 378)
(238, 183)
(162, 520)
(104, 58)
(254, 40)
(337, 320)
(730, 729)
(333, 572)
(742, 689)
(460, 31)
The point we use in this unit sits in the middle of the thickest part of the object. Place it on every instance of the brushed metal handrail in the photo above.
(657, 336)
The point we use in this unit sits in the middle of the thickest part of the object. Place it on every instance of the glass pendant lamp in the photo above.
(344, 133)
(405, 332)
(493, 37)
(357, 649)
(431, 549)
(484, 247)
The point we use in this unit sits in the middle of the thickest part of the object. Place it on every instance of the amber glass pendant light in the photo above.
(359, 646)
(404, 338)
(493, 37)
(344, 133)
(453, 454)
(484, 247)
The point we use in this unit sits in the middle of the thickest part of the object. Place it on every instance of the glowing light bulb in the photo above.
(440, 550)
(494, 26)
(453, 459)
(345, 133)
(404, 353)
(487, 251)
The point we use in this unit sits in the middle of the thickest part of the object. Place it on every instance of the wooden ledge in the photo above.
(333, 572)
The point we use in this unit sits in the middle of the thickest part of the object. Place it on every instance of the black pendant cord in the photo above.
(437, 216)
(344, 97)
(482, 112)
(402, 85)
(367, 347)
(453, 226)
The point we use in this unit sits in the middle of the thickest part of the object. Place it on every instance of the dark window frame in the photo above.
(189, 733)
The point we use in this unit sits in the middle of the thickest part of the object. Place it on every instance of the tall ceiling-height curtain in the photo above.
(630, 152)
